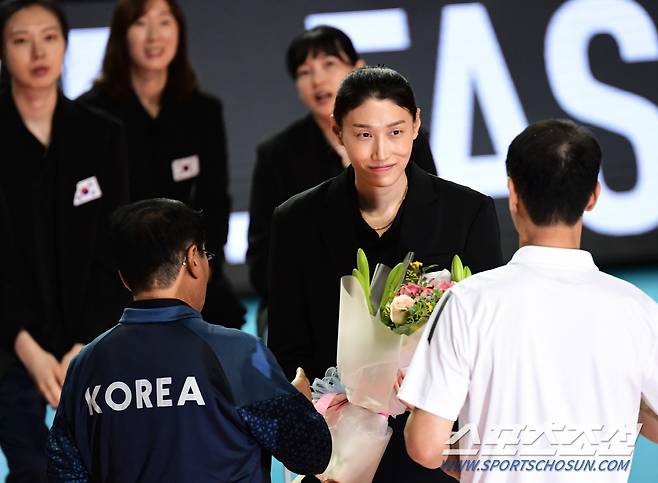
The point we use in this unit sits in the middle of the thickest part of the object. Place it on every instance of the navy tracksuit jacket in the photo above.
(166, 397)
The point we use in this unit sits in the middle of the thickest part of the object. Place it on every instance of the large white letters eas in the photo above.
(470, 62)
(587, 99)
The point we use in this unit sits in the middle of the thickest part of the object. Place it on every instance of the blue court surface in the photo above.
(644, 468)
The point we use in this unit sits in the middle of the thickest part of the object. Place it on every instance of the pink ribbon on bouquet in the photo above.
(324, 404)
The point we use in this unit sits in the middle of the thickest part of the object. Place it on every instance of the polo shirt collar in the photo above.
(563, 258)
(158, 313)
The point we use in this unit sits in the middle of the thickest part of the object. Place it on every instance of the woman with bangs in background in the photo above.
(175, 132)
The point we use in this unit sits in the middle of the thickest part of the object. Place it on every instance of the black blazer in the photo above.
(314, 244)
(83, 295)
(183, 129)
(290, 162)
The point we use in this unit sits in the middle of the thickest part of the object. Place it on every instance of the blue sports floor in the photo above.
(644, 469)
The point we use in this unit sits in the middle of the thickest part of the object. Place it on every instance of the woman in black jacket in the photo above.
(175, 132)
(383, 204)
(307, 152)
(64, 171)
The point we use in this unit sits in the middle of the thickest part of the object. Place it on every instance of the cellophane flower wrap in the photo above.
(378, 331)
(379, 322)
(359, 437)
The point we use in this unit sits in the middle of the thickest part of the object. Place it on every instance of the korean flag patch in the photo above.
(185, 168)
(87, 190)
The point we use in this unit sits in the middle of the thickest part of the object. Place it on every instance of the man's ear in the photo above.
(337, 130)
(360, 64)
(513, 197)
(193, 261)
(594, 197)
(123, 281)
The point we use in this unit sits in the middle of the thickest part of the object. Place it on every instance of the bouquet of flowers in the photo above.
(410, 307)
(378, 325)
(378, 330)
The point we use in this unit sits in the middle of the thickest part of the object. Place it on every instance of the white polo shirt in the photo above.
(549, 354)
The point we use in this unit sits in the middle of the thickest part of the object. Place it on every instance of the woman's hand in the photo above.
(68, 357)
(302, 383)
(45, 370)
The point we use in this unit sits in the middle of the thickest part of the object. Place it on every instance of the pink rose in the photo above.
(410, 289)
(400, 308)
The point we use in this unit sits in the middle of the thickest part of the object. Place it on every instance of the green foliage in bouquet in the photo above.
(458, 271)
(413, 285)
(362, 274)
(418, 314)
(425, 296)
(415, 272)
(393, 282)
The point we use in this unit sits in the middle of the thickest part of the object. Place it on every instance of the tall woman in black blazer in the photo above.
(386, 206)
(176, 139)
(64, 171)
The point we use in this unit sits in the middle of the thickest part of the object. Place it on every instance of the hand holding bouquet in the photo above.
(359, 437)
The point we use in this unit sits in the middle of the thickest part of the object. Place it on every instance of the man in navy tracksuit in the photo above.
(166, 397)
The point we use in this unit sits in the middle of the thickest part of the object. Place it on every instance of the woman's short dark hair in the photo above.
(554, 165)
(149, 239)
(322, 39)
(373, 83)
(7, 9)
(115, 74)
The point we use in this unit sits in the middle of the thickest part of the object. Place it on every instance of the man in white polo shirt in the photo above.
(547, 362)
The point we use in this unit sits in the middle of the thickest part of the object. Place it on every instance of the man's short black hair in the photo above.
(149, 239)
(554, 165)
(319, 40)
